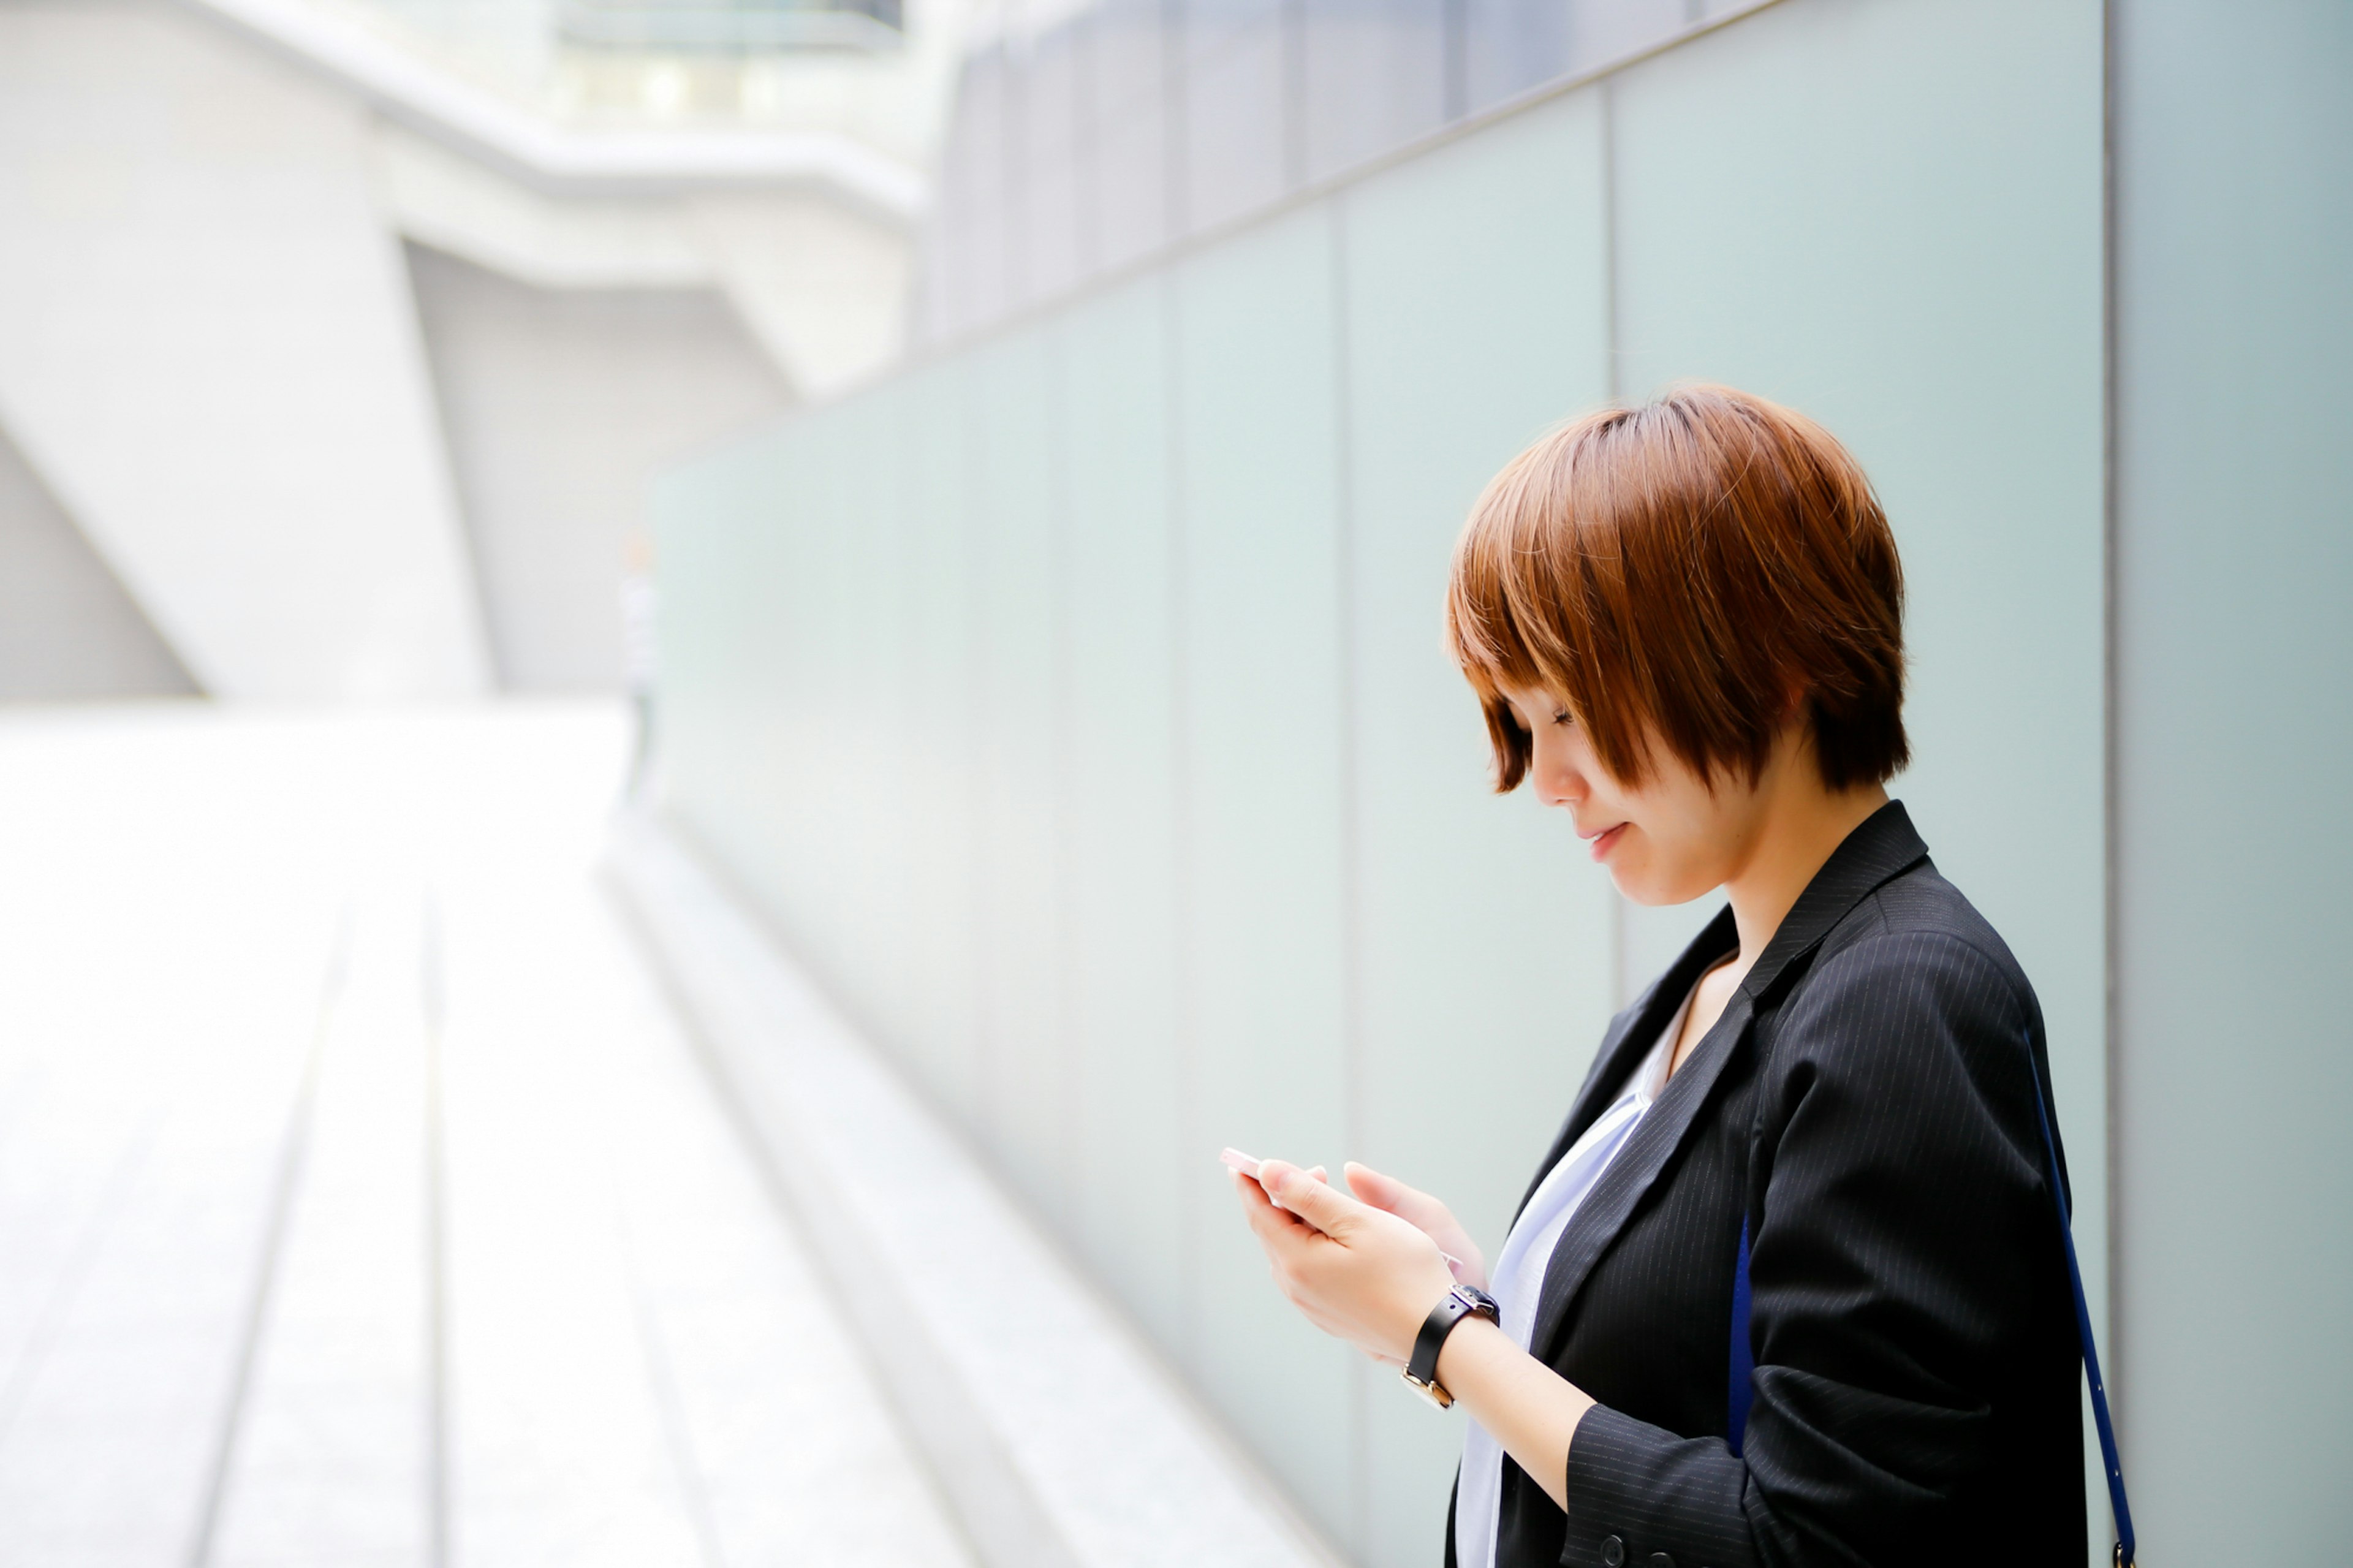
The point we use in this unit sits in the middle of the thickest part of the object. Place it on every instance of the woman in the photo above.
(1684, 625)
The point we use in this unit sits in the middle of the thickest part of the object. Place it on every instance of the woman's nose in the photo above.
(1559, 786)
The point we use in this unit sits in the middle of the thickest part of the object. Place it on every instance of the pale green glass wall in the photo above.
(1074, 703)
(2234, 670)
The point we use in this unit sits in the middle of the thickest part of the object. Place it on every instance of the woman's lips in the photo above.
(1602, 841)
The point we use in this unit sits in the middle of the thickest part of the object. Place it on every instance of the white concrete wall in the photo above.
(207, 349)
(820, 281)
(67, 631)
(822, 286)
(560, 404)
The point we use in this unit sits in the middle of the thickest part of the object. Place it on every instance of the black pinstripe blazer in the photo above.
(1866, 1100)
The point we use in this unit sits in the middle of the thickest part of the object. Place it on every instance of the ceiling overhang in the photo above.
(561, 160)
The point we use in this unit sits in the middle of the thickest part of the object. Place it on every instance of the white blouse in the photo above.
(1518, 1278)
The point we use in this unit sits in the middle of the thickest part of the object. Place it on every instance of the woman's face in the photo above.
(1668, 841)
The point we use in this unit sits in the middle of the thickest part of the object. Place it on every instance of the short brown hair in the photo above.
(1687, 569)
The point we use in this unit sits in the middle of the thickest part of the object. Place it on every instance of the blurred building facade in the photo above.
(337, 339)
(1073, 704)
(1091, 134)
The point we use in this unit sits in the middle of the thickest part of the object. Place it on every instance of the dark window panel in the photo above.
(996, 185)
(1129, 145)
(1047, 66)
(1600, 31)
(1375, 77)
(1235, 111)
(1511, 47)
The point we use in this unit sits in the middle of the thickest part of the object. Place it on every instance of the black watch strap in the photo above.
(1463, 1301)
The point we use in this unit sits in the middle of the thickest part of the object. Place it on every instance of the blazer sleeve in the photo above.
(1901, 1166)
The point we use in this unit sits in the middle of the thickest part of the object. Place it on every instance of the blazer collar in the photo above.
(1882, 847)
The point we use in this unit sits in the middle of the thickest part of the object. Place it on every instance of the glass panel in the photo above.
(1262, 703)
(1016, 657)
(2234, 737)
(943, 703)
(1139, 1158)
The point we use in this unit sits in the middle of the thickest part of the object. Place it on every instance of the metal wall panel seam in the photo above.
(1455, 39)
(1182, 960)
(1086, 168)
(972, 517)
(1070, 1085)
(2112, 1045)
(1622, 983)
(1293, 43)
(1352, 835)
(1012, 132)
(1175, 129)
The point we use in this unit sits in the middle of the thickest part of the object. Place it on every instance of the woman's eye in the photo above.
(1561, 719)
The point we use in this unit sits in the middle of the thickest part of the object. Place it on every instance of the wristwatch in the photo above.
(1421, 1373)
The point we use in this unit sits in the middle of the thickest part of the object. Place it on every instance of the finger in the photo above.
(1320, 1203)
(1268, 1221)
(1416, 1208)
(1255, 1202)
(1384, 1192)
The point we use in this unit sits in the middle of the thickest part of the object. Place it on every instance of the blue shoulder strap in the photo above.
(1744, 1360)
(2117, 1506)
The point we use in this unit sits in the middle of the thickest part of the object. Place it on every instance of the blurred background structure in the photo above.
(1051, 418)
(454, 276)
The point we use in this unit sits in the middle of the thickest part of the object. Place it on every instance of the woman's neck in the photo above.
(1800, 823)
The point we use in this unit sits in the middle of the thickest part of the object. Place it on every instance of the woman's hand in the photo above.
(1369, 1273)
(1426, 1214)
(1359, 1273)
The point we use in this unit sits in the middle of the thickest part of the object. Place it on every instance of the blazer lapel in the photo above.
(1630, 1037)
(1653, 1141)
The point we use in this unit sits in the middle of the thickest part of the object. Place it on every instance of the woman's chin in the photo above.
(1633, 886)
(1652, 891)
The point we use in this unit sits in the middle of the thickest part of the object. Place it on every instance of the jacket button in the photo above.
(1661, 1560)
(1613, 1551)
